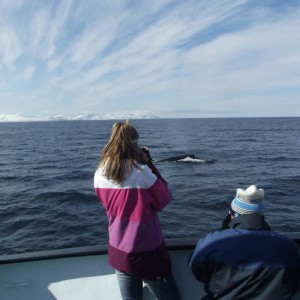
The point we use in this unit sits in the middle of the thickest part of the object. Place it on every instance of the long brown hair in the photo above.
(121, 152)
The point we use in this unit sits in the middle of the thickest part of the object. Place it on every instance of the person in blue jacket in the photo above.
(246, 260)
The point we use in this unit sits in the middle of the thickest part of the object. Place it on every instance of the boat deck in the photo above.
(83, 273)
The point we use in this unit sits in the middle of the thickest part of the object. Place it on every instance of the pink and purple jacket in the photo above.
(134, 227)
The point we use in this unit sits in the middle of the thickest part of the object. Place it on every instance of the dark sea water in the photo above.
(46, 176)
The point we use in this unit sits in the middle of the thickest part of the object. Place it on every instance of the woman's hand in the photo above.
(145, 155)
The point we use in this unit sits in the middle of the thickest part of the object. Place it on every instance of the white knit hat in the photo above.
(249, 201)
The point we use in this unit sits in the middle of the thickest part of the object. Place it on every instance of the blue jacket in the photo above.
(247, 264)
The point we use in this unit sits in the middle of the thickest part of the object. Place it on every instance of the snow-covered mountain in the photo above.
(114, 116)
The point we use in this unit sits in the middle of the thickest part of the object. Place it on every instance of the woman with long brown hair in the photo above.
(132, 191)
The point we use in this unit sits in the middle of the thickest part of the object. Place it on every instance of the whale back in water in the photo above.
(178, 158)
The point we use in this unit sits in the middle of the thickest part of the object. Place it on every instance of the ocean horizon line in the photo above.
(24, 119)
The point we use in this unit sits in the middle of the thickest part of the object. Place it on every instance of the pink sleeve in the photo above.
(161, 194)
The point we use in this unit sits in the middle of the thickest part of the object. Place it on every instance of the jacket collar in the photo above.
(251, 222)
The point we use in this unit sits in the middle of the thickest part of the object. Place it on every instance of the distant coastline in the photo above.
(13, 118)
(4, 118)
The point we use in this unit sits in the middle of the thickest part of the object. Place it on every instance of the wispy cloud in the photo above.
(28, 72)
(208, 56)
(10, 48)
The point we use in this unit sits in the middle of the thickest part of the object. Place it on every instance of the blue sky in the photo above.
(168, 58)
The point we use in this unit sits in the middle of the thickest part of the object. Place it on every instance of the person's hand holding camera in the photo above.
(145, 155)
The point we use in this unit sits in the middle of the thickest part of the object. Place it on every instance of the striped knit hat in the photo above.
(248, 201)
